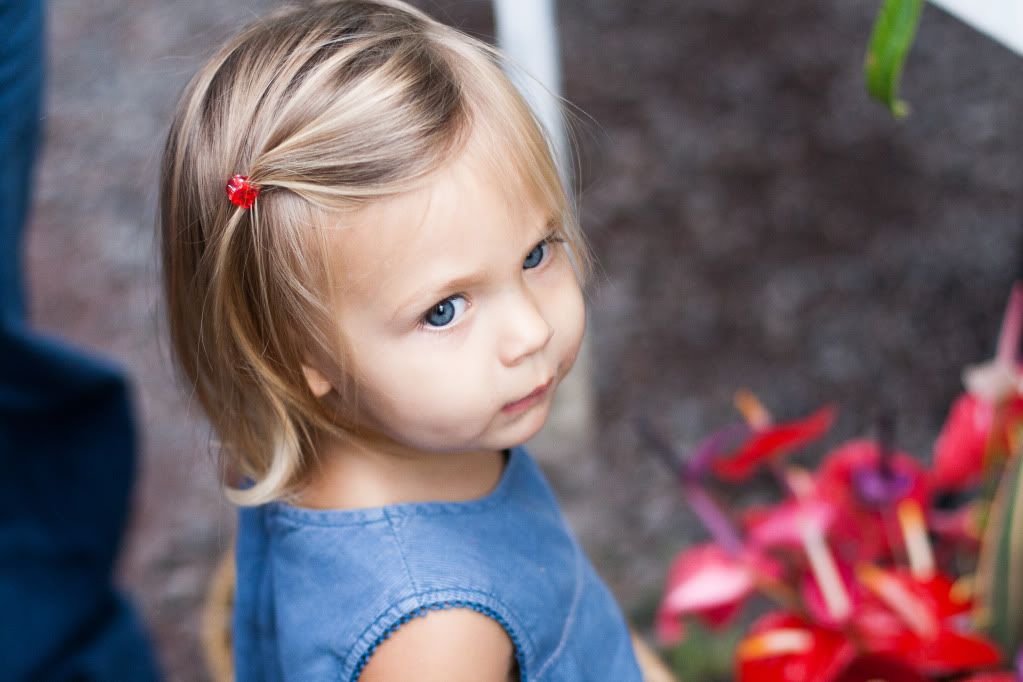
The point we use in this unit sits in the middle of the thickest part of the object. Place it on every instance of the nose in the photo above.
(525, 331)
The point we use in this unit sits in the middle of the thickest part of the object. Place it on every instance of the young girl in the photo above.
(375, 313)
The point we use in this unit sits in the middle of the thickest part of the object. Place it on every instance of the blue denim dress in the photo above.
(318, 591)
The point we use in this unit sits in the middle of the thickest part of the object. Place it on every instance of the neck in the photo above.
(352, 475)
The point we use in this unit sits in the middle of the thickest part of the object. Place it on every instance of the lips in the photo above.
(528, 401)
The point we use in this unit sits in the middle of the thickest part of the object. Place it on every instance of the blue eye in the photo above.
(537, 255)
(444, 313)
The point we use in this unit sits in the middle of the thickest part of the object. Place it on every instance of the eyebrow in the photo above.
(462, 282)
(435, 293)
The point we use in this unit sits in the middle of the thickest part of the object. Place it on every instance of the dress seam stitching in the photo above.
(401, 553)
(570, 618)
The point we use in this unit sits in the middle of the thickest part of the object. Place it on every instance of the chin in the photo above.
(531, 423)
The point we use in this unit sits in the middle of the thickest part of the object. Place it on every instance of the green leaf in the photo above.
(704, 655)
(890, 41)
(1000, 571)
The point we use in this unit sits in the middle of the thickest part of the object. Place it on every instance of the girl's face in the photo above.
(462, 313)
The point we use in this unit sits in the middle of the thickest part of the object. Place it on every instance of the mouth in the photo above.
(525, 403)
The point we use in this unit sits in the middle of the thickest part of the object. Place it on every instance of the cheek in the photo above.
(568, 312)
(419, 394)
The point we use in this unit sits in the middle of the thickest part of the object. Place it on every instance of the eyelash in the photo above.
(547, 241)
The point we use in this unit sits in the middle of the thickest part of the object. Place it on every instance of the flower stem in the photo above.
(714, 520)
(885, 445)
(706, 509)
(1012, 322)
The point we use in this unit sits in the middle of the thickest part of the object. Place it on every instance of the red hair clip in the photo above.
(241, 192)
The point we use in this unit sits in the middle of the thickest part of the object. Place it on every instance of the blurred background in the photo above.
(758, 222)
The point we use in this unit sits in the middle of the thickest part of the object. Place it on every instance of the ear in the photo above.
(318, 384)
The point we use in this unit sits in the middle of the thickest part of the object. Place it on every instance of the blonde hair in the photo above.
(325, 108)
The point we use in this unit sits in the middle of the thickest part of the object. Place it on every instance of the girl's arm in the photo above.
(451, 645)
(462, 645)
(654, 669)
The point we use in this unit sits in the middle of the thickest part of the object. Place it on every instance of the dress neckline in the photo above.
(513, 459)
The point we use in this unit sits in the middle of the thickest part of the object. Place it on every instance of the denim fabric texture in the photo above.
(319, 590)
(67, 439)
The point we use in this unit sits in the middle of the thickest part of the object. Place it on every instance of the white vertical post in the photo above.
(1000, 19)
(527, 33)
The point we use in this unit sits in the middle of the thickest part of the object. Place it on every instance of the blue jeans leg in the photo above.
(67, 440)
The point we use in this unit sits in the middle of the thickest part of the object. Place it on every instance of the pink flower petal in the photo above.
(959, 449)
(782, 525)
(704, 578)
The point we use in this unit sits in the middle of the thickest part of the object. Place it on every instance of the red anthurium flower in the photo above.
(960, 447)
(962, 526)
(851, 476)
(841, 474)
(946, 597)
(979, 419)
(771, 442)
(1008, 421)
(975, 427)
(708, 582)
(859, 535)
(923, 606)
(782, 525)
(878, 628)
(998, 379)
(669, 627)
(899, 593)
(782, 647)
(878, 668)
(949, 653)
(928, 640)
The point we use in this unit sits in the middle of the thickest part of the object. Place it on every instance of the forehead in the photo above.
(464, 218)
